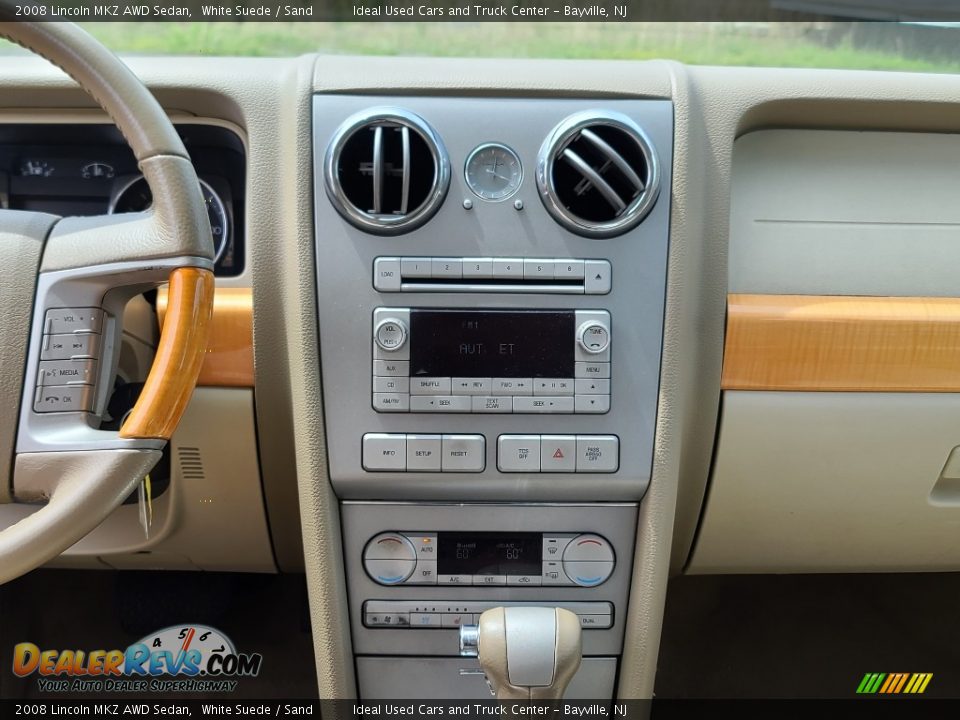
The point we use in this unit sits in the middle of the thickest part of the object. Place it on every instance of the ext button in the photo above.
(73, 320)
(489, 579)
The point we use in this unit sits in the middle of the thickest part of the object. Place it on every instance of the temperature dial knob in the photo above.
(389, 558)
(390, 334)
(594, 337)
(588, 560)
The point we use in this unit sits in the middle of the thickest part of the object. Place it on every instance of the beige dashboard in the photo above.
(767, 510)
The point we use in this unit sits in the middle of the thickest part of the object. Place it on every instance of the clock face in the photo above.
(493, 172)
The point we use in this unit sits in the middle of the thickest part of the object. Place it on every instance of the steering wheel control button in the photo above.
(598, 453)
(558, 453)
(73, 320)
(588, 548)
(383, 452)
(518, 453)
(597, 277)
(68, 372)
(391, 334)
(63, 398)
(423, 453)
(463, 453)
(67, 347)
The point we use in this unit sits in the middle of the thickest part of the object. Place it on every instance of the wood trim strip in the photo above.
(228, 361)
(176, 366)
(836, 343)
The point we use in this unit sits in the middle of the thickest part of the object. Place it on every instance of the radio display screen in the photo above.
(492, 343)
(489, 553)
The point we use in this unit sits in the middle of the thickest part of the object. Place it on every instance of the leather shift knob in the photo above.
(529, 653)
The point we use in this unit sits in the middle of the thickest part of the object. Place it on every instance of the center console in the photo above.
(491, 280)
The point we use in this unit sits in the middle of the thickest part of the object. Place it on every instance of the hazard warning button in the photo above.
(558, 453)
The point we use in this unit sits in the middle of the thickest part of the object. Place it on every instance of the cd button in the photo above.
(471, 386)
(507, 268)
(592, 369)
(553, 386)
(496, 404)
(543, 404)
(390, 384)
(446, 268)
(430, 386)
(513, 386)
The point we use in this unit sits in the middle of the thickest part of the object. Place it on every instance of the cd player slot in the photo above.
(572, 276)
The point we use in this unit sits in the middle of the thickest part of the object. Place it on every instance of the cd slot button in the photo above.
(513, 386)
(430, 386)
(440, 403)
(543, 404)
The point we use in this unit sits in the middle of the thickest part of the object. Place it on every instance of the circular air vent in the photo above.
(386, 171)
(598, 173)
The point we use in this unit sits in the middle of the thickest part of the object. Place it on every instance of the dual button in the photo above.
(399, 452)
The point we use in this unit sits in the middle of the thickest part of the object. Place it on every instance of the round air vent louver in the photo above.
(598, 173)
(386, 171)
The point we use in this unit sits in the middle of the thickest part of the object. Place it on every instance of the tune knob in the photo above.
(390, 334)
(588, 560)
(594, 337)
(389, 558)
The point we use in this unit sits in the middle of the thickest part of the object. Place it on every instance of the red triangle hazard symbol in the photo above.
(558, 454)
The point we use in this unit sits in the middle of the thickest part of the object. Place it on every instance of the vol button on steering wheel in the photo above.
(63, 285)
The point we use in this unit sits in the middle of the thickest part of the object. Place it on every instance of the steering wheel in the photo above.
(63, 285)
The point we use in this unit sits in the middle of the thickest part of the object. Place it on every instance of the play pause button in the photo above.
(558, 453)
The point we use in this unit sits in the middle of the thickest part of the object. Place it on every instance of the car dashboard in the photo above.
(508, 321)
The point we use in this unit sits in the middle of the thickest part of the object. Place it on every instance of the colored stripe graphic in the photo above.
(894, 683)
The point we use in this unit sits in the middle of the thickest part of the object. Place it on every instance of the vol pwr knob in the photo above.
(588, 560)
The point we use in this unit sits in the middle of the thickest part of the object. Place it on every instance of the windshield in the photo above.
(922, 47)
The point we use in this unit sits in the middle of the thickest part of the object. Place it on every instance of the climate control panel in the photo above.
(489, 559)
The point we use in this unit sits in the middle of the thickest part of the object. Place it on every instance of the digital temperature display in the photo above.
(489, 553)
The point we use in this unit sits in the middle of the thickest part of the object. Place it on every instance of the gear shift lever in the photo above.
(527, 653)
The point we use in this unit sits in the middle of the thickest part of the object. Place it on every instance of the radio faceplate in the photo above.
(492, 256)
(491, 361)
